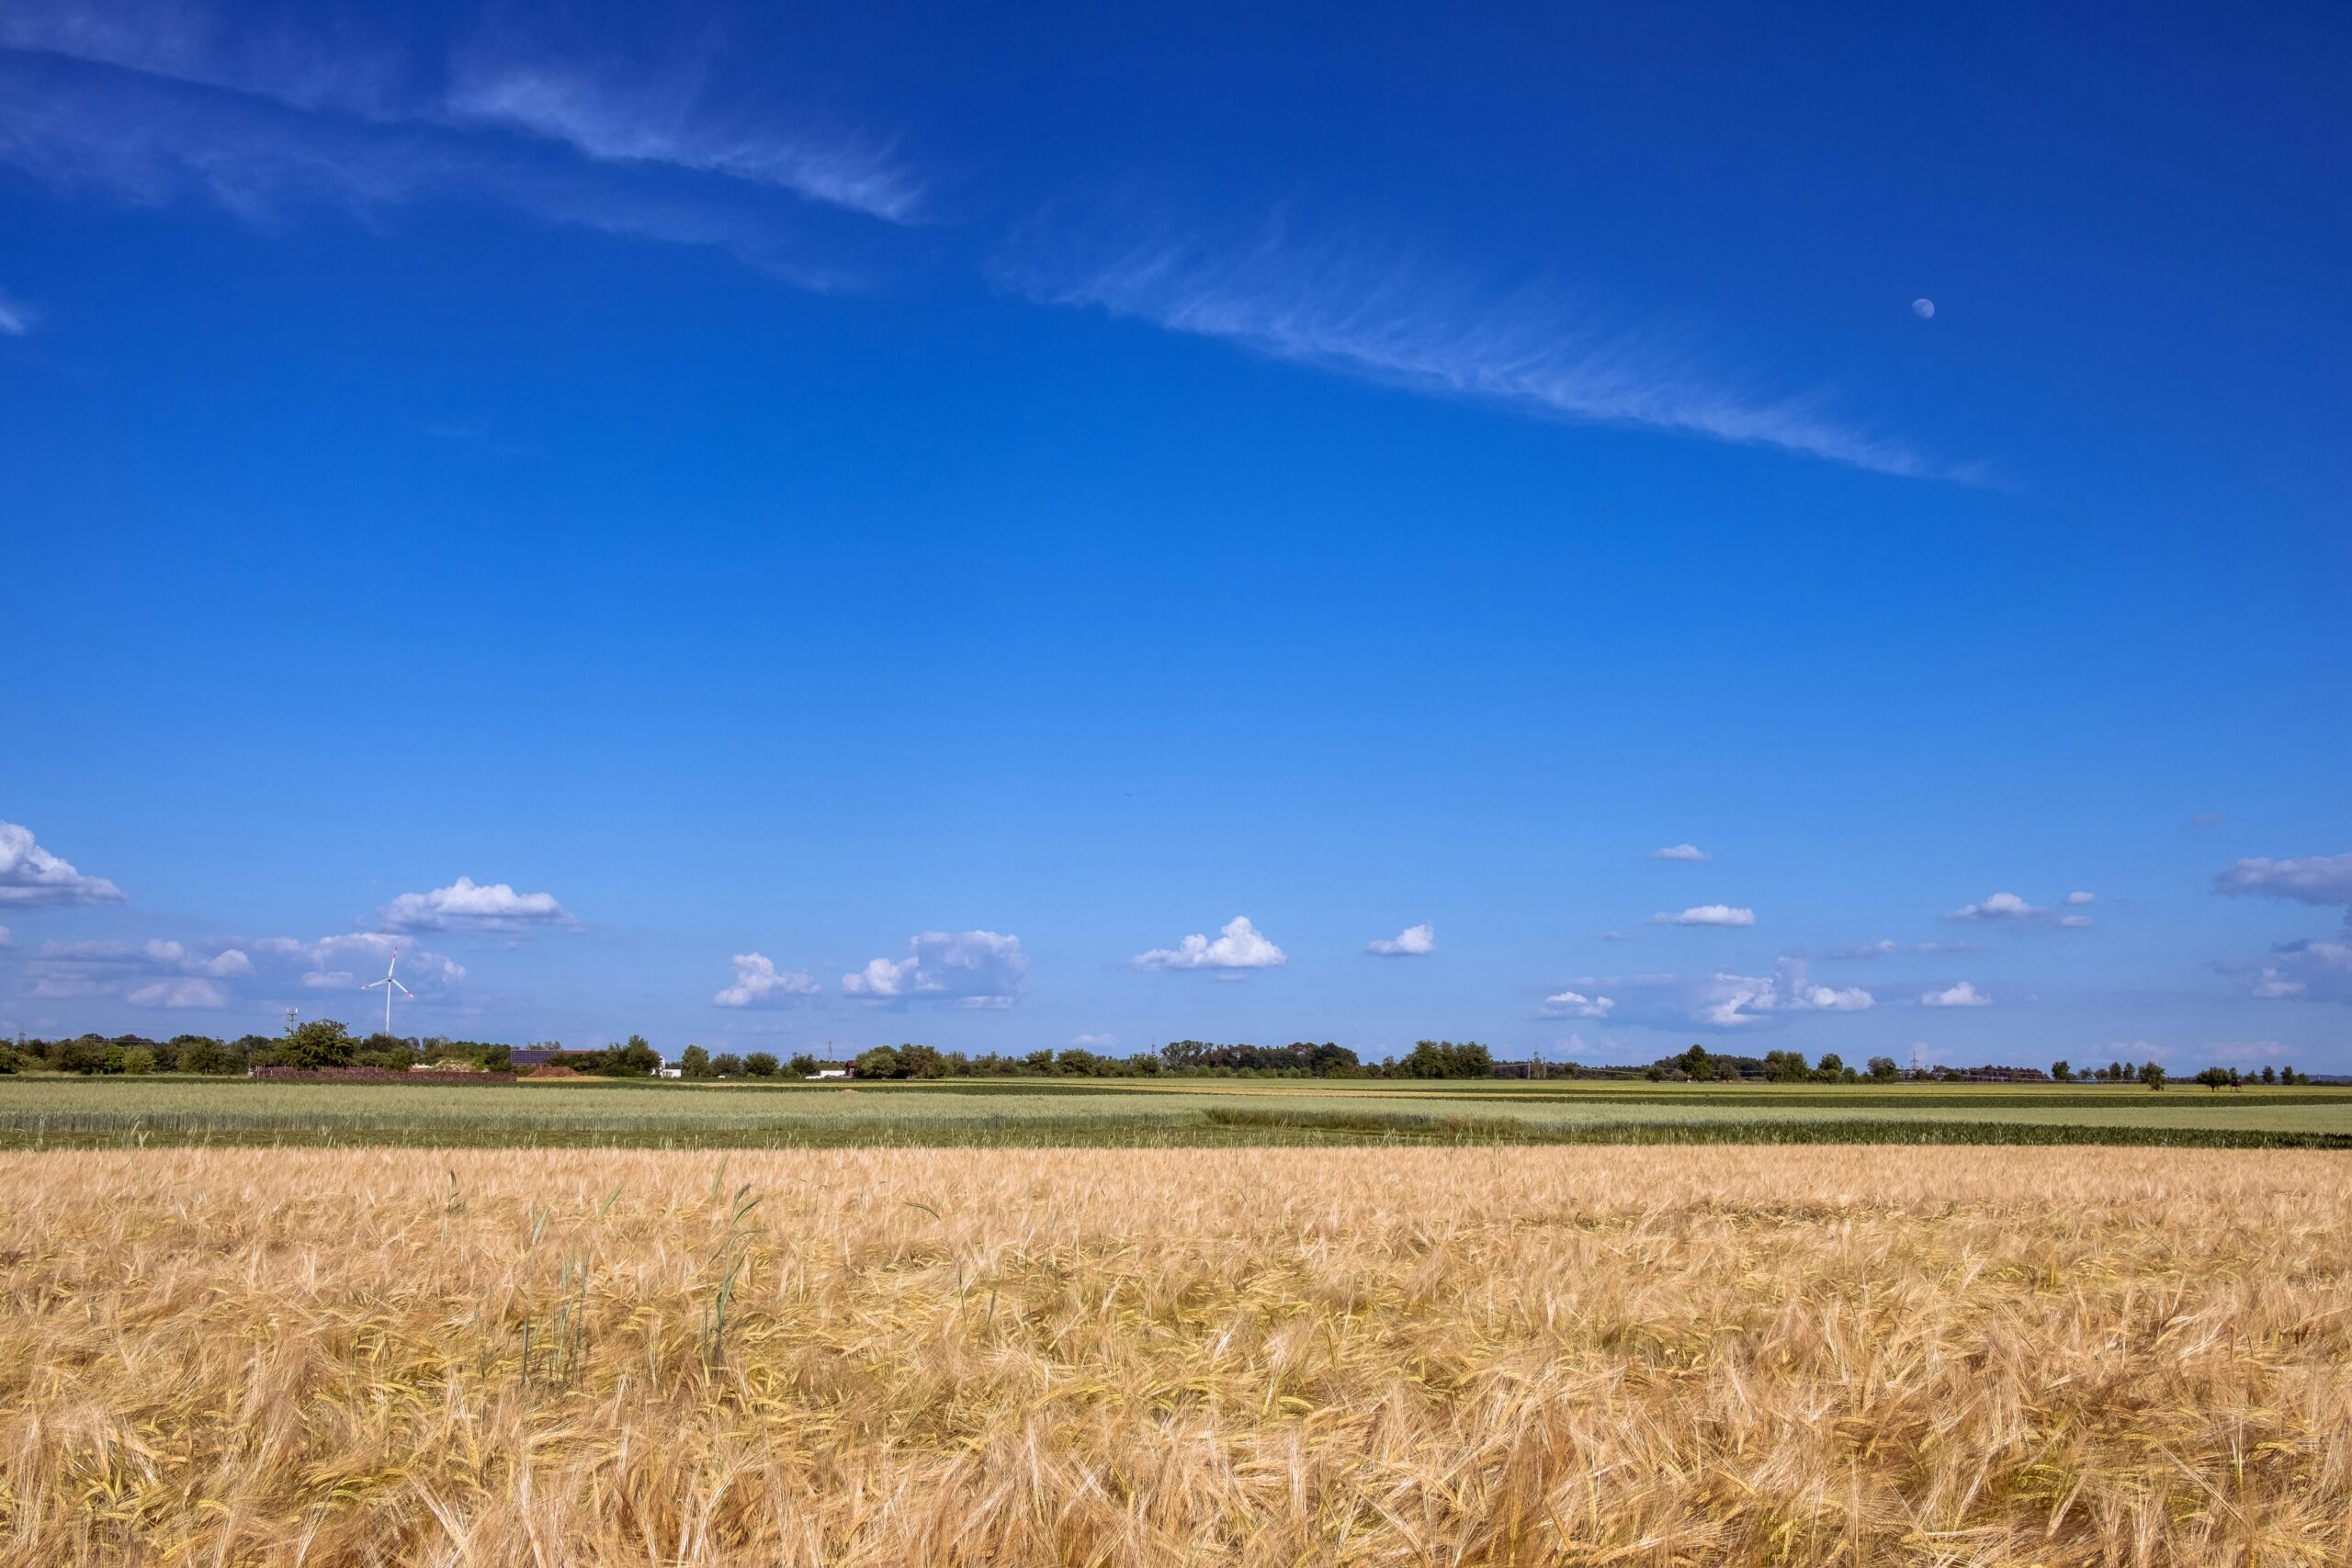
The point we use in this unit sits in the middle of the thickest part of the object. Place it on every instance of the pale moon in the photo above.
(1923, 309)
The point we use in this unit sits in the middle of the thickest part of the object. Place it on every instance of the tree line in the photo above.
(324, 1043)
(1185, 1059)
(320, 1043)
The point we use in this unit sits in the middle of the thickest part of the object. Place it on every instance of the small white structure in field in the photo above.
(667, 1070)
(829, 1073)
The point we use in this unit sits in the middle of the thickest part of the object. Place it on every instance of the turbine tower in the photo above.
(389, 986)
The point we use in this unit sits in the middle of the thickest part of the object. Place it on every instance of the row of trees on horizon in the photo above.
(326, 1044)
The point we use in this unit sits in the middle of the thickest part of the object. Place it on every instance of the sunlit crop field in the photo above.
(1275, 1356)
(48, 1111)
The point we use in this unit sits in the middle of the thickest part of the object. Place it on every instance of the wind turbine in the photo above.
(389, 986)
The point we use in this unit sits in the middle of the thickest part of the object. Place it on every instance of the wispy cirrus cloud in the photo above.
(1885, 946)
(1386, 318)
(184, 41)
(154, 102)
(151, 143)
(610, 117)
(16, 318)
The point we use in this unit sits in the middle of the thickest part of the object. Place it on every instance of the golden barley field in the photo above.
(1717, 1355)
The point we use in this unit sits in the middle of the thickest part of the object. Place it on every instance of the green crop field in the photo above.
(63, 1112)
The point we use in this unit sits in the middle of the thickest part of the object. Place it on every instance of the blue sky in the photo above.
(869, 525)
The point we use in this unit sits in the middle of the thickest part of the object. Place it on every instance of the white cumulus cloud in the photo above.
(191, 993)
(2272, 985)
(1239, 946)
(1731, 1000)
(1722, 1001)
(348, 961)
(29, 875)
(468, 905)
(959, 969)
(2305, 970)
(2008, 909)
(1963, 994)
(758, 983)
(16, 318)
(1706, 915)
(1575, 1004)
(153, 973)
(1999, 907)
(2316, 879)
(1411, 942)
(1680, 851)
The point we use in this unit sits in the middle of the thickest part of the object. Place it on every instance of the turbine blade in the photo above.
(404, 990)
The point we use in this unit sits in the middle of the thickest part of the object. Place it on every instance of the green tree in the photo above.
(803, 1066)
(2062, 1071)
(1784, 1066)
(2269, 1074)
(881, 1062)
(1726, 1070)
(2152, 1075)
(694, 1062)
(139, 1061)
(199, 1055)
(1884, 1068)
(2214, 1078)
(922, 1062)
(85, 1054)
(321, 1043)
(1832, 1064)
(760, 1064)
(636, 1059)
(1444, 1059)
(727, 1065)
